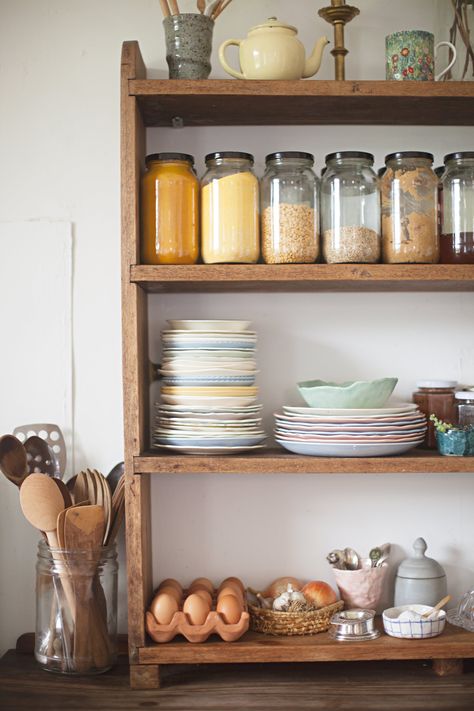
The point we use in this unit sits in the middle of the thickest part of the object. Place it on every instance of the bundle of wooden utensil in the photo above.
(211, 9)
(79, 521)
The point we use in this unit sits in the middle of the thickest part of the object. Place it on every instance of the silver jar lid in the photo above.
(464, 395)
(420, 566)
(436, 383)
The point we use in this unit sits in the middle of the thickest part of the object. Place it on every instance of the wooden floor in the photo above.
(355, 686)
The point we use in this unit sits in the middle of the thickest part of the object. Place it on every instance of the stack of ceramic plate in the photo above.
(208, 398)
(376, 432)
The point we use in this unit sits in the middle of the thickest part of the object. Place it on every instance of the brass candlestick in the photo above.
(338, 15)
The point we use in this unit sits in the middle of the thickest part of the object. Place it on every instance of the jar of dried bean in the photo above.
(350, 209)
(457, 203)
(289, 209)
(410, 209)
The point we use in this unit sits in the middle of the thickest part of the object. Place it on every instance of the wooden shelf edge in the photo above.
(307, 277)
(277, 461)
(453, 643)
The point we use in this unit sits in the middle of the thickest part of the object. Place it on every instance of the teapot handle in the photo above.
(222, 59)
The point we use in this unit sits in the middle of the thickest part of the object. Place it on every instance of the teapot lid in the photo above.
(273, 22)
(420, 566)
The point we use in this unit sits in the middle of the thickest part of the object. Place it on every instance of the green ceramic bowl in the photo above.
(353, 394)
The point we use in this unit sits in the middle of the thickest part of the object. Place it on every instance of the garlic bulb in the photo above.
(282, 602)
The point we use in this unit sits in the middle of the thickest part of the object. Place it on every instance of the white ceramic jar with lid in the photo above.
(420, 580)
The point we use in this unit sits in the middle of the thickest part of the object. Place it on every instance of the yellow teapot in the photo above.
(273, 51)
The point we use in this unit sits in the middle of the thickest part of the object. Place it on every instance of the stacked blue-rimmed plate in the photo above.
(208, 397)
(333, 432)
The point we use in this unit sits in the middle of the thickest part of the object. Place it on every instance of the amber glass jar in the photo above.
(410, 209)
(435, 397)
(169, 210)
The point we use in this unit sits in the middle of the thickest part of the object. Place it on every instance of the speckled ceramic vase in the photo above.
(188, 45)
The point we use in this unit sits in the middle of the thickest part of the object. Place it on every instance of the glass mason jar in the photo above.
(457, 222)
(465, 408)
(76, 609)
(410, 209)
(289, 209)
(229, 209)
(350, 209)
(169, 210)
(435, 397)
(439, 172)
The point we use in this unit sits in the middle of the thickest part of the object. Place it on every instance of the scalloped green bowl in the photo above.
(353, 394)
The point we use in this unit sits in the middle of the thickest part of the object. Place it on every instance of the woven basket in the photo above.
(292, 623)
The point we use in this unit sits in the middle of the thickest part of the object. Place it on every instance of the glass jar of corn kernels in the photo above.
(289, 209)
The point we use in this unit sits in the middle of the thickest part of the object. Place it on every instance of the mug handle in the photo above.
(448, 44)
(222, 59)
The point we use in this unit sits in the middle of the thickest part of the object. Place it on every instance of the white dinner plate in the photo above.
(209, 450)
(336, 449)
(202, 401)
(212, 324)
(365, 412)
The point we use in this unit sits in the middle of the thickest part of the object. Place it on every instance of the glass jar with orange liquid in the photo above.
(169, 210)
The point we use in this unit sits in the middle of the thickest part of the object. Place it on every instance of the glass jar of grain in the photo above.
(169, 210)
(289, 209)
(229, 209)
(457, 209)
(350, 209)
(410, 209)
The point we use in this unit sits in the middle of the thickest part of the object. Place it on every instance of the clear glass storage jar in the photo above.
(229, 209)
(169, 210)
(350, 209)
(457, 221)
(410, 209)
(76, 609)
(435, 397)
(465, 408)
(289, 209)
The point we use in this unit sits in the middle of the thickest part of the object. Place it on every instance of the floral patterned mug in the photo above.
(410, 56)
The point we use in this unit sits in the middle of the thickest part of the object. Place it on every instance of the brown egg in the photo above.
(171, 582)
(231, 590)
(233, 581)
(229, 608)
(201, 584)
(163, 607)
(169, 590)
(205, 596)
(196, 609)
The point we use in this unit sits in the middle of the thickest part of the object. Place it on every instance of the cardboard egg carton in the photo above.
(214, 624)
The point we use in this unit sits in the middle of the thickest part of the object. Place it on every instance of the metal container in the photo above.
(353, 625)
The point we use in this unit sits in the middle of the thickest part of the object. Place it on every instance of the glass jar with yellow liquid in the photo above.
(169, 210)
(229, 209)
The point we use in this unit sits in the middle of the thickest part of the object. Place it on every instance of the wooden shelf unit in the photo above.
(156, 103)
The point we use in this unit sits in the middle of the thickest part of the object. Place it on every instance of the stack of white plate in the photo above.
(377, 432)
(208, 398)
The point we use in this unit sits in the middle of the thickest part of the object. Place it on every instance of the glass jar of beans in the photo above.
(289, 209)
(350, 209)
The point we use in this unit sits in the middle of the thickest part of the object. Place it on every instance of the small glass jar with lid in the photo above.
(229, 209)
(350, 209)
(410, 209)
(457, 221)
(169, 210)
(289, 209)
(435, 397)
(465, 408)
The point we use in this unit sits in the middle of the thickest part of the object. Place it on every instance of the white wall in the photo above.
(59, 63)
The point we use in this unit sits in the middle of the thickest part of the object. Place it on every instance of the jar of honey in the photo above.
(435, 397)
(169, 210)
(230, 209)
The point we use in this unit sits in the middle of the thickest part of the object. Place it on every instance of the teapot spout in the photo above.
(314, 61)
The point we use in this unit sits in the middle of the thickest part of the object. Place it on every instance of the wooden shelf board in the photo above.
(453, 643)
(232, 102)
(277, 461)
(304, 277)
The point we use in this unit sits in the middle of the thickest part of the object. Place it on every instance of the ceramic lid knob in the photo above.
(419, 565)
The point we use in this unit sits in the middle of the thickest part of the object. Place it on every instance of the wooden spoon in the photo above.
(437, 607)
(13, 461)
(40, 457)
(41, 501)
(114, 475)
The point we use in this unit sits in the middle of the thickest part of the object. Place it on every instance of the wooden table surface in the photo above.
(357, 686)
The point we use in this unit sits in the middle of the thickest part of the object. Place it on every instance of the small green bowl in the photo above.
(456, 443)
(351, 395)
